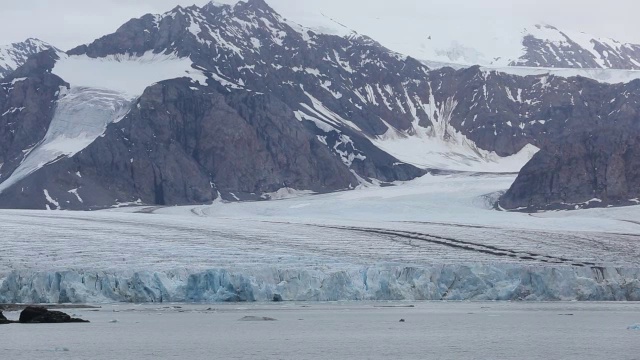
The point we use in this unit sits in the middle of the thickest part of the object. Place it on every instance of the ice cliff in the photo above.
(443, 282)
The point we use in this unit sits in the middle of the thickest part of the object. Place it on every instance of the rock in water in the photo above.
(40, 315)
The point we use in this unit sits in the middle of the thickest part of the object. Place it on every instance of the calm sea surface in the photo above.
(335, 331)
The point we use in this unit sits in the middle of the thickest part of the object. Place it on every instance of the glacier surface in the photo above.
(433, 238)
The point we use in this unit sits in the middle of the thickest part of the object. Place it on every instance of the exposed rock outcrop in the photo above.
(586, 169)
(40, 315)
(27, 102)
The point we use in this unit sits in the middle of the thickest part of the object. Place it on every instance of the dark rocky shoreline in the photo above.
(38, 315)
(20, 307)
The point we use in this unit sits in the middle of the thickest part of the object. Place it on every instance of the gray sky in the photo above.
(67, 23)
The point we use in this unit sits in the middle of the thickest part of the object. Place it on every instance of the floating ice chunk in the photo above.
(257, 318)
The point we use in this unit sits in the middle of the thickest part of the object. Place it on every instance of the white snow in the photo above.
(75, 192)
(435, 153)
(441, 146)
(124, 73)
(17, 80)
(607, 76)
(12, 111)
(50, 200)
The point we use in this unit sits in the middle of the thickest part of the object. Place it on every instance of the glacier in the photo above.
(444, 282)
(82, 114)
(434, 238)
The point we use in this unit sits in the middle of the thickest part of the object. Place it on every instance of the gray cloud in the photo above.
(67, 23)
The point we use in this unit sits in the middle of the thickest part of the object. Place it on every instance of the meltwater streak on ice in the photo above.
(81, 116)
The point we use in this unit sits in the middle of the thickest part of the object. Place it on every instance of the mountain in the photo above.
(587, 169)
(441, 41)
(238, 103)
(548, 46)
(543, 46)
(15, 55)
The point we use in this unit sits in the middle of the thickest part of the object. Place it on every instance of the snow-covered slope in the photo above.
(433, 238)
(14, 55)
(441, 146)
(101, 92)
(81, 115)
(126, 74)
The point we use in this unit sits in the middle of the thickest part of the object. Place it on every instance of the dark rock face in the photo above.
(503, 113)
(40, 315)
(181, 145)
(587, 169)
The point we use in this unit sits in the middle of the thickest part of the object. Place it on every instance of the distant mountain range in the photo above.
(442, 39)
(237, 103)
(539, 46)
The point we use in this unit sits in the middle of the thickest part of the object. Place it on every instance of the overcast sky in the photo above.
(67, 23)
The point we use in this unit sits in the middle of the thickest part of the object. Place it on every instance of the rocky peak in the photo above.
(15, 55)
(187, 31)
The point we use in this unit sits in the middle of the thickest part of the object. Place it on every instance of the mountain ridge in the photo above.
(369, 114)
(14, 55)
